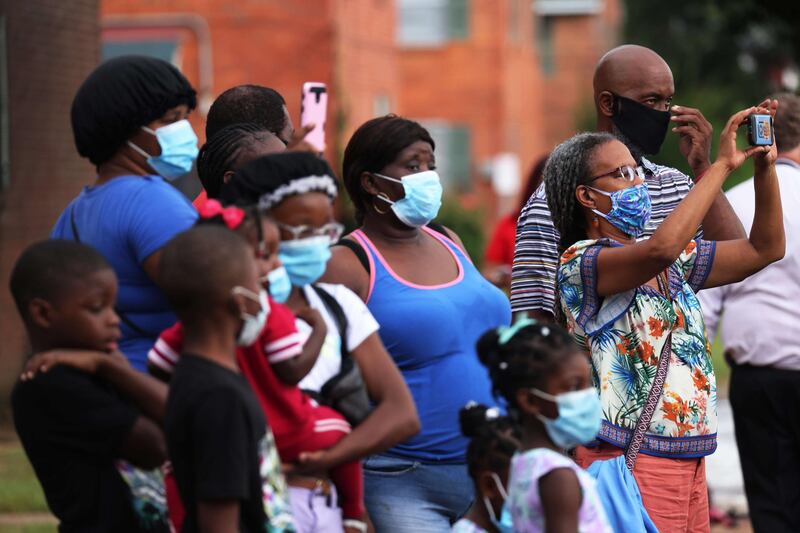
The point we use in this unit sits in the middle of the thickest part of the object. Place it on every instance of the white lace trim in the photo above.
(323, 183)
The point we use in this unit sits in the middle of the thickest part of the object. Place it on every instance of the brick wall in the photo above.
(51, 47)
(343, 43)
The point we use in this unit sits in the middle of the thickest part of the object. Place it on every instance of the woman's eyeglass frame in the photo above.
(626, 173)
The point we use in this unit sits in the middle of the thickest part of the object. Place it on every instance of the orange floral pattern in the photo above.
(625, 351)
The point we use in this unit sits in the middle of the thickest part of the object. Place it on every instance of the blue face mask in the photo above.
(280, 286)
(422, 200)
(305, 259)
(178, 144)
(630, 209)
(505, 524)
(579, 417)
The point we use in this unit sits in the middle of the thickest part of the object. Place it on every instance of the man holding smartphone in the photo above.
(633, 90)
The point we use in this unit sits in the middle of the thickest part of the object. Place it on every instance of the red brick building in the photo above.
(494, 80)
(47, 48)
(489, 77)
(347, 44)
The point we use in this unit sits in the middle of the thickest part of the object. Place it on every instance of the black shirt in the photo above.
(72, 425)
(220, 448)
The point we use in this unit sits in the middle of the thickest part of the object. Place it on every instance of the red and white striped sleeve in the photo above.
(280, 338)
(167, 349)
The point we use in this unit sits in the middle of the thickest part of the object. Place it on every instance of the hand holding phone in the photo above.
(759, 130)
(313, 109)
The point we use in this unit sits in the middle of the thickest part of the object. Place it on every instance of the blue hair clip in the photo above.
(507, 332)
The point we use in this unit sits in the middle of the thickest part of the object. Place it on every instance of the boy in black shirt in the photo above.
(79, 408)
(224, 457)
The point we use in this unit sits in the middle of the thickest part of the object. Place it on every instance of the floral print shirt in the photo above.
(525, 502)
(625, 332)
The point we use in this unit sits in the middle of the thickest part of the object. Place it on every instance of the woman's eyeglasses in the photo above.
(626, 173)
(332, 230)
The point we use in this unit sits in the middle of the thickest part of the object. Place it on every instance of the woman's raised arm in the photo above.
(627, 267)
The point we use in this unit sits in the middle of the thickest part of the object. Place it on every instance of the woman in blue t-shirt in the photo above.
(129, 118)
(431, 304)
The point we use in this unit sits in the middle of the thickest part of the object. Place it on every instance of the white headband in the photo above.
(324, 184)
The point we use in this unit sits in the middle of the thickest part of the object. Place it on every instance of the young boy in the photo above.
(80, 408)
(222, 453)
(272, 366)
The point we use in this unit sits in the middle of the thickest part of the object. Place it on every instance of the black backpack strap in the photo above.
(438, 228)
(125, 320)
(357, 249)
(338, 316)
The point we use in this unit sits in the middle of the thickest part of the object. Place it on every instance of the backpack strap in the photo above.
(332, 304)
(357, 249)
(438, 228)
(125, 320)
(361, 254)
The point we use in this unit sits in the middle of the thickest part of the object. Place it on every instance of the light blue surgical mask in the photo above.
(305, 259)
(280, 286)
(505, 524)
(579, 417)
(630, 209)
(422, 200)
(178, 144)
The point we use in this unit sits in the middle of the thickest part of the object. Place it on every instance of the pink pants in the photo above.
(674, 491)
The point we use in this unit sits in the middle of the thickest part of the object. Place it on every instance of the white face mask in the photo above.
(253, 324)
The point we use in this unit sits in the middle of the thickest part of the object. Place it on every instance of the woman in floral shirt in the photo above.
(621, 299)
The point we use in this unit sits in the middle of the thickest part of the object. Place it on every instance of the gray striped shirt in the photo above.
(533, 274)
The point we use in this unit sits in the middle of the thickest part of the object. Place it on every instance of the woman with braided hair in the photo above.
(632, 305)
(229, 149)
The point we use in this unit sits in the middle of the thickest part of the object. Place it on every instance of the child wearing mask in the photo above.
(493, 441)
(83, 414)
(222, 452)
(273, 362)
(544, 378)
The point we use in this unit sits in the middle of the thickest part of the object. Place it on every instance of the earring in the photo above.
(380, 196)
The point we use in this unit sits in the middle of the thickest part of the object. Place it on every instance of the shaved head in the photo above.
(634, 72)
(630, 67)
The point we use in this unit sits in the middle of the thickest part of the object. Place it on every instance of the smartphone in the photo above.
(759, 130)
(313, 108)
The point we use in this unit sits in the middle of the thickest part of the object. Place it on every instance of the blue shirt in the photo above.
(431, 332)
(128, 219)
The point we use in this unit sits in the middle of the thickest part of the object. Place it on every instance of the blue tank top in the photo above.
(431, 333)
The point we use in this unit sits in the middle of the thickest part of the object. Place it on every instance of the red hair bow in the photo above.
(232, 216)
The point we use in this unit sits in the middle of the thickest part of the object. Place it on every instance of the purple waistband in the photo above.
(674, 447)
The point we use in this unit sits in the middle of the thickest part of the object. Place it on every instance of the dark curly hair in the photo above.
(493, 439)
(527, 359)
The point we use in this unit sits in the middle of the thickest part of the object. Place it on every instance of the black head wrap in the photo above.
(268, 180)
(119, 97)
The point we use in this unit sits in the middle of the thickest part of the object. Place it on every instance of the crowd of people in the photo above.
(237, 363)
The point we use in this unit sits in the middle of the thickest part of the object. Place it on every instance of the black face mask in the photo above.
(643, 125)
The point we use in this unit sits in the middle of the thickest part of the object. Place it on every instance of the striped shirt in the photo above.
(533, 274)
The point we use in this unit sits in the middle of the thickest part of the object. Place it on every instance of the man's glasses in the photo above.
(626, 173)
(332, 230)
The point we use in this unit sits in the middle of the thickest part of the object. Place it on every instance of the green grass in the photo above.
(20, 491)
(28, 528)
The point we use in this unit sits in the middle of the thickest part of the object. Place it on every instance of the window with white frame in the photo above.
(431, 22)
(453, 153)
